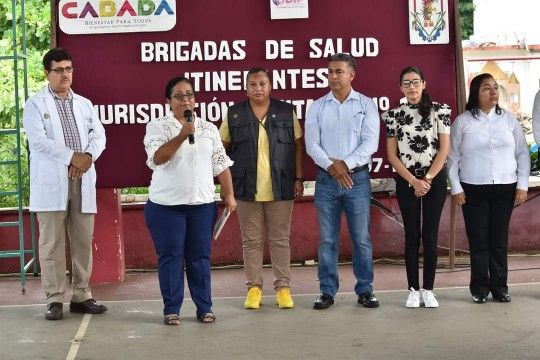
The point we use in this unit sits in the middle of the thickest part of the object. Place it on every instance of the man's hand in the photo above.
(74, 173)
(340, 171)
(459, 198)
(521, 196)
(81, 161)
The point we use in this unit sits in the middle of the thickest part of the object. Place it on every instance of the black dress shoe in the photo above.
(89, 306)
(479, 299)
(323, 301)
(501, 296)
(54, 311)
(368, 300)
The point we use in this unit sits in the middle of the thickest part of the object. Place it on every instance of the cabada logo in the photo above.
(113, 16)
(108, 8)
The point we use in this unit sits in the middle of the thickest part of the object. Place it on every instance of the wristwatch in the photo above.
(429, 176)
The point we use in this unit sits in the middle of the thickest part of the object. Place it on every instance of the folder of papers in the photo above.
(221, 222)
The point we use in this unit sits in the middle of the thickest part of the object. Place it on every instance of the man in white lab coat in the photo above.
(65, 138)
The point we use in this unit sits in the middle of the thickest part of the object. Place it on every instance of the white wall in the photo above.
(510, 22)
(527, 72)
(507, 22)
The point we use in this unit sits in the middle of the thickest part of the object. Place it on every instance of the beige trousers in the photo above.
(270, 219)
(52, 253)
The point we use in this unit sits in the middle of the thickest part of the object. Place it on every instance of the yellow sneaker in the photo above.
(284, 299)
(253, 298)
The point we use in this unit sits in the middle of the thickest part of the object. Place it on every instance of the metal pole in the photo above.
(460, 95)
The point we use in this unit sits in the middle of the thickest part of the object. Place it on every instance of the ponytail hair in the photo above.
(426, 104)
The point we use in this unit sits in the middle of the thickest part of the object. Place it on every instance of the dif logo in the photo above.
(282, 2)
(114, 16)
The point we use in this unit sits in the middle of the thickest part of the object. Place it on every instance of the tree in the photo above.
(466, 14)
(38, 19)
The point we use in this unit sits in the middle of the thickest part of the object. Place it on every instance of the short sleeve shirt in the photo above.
(188, 177)
(418, 139)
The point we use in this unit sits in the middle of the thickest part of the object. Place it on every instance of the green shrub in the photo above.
(37, 39)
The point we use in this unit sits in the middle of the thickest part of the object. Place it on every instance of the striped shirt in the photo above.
(67, 119)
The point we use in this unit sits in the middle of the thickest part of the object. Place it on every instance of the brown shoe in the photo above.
(54, 311)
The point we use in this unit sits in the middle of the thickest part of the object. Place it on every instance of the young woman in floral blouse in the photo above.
(417, 145)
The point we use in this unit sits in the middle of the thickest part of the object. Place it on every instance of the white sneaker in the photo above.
(413, 301)
(429, 299)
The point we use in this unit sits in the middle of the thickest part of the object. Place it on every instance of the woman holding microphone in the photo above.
(185, 153)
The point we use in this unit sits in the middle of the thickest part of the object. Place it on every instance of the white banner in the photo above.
(116, 16)
(428, 21)
(289, 9)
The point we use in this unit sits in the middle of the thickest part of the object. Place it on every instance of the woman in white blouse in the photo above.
(181, 210)
(488, 167)
(417, 145)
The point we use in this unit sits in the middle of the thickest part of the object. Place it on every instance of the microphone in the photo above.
(188, 114)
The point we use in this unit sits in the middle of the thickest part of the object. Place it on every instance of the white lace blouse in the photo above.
(188, 177)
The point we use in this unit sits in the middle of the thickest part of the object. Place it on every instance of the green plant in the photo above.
(144, 190)
(466, 14)
(534, 160)
(8, 173)
(37, 16)
(134, 190)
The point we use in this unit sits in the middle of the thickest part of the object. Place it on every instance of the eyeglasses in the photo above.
(180, 97)
(60, 70)
(408, 84)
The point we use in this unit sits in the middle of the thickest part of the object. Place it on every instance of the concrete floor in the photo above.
(132, 328)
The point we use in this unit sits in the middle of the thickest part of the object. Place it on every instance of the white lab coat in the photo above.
(50, 157)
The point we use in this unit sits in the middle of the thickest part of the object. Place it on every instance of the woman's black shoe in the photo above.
(479, 299)
(501, 297)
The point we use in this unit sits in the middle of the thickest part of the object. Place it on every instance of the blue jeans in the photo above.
(330, 200)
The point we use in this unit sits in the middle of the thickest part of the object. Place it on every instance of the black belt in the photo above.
(419, 172)
(352, 171)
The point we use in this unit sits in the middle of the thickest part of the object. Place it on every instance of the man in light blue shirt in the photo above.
(342, 132)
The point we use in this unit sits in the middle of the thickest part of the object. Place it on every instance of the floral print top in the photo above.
(417, 137)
